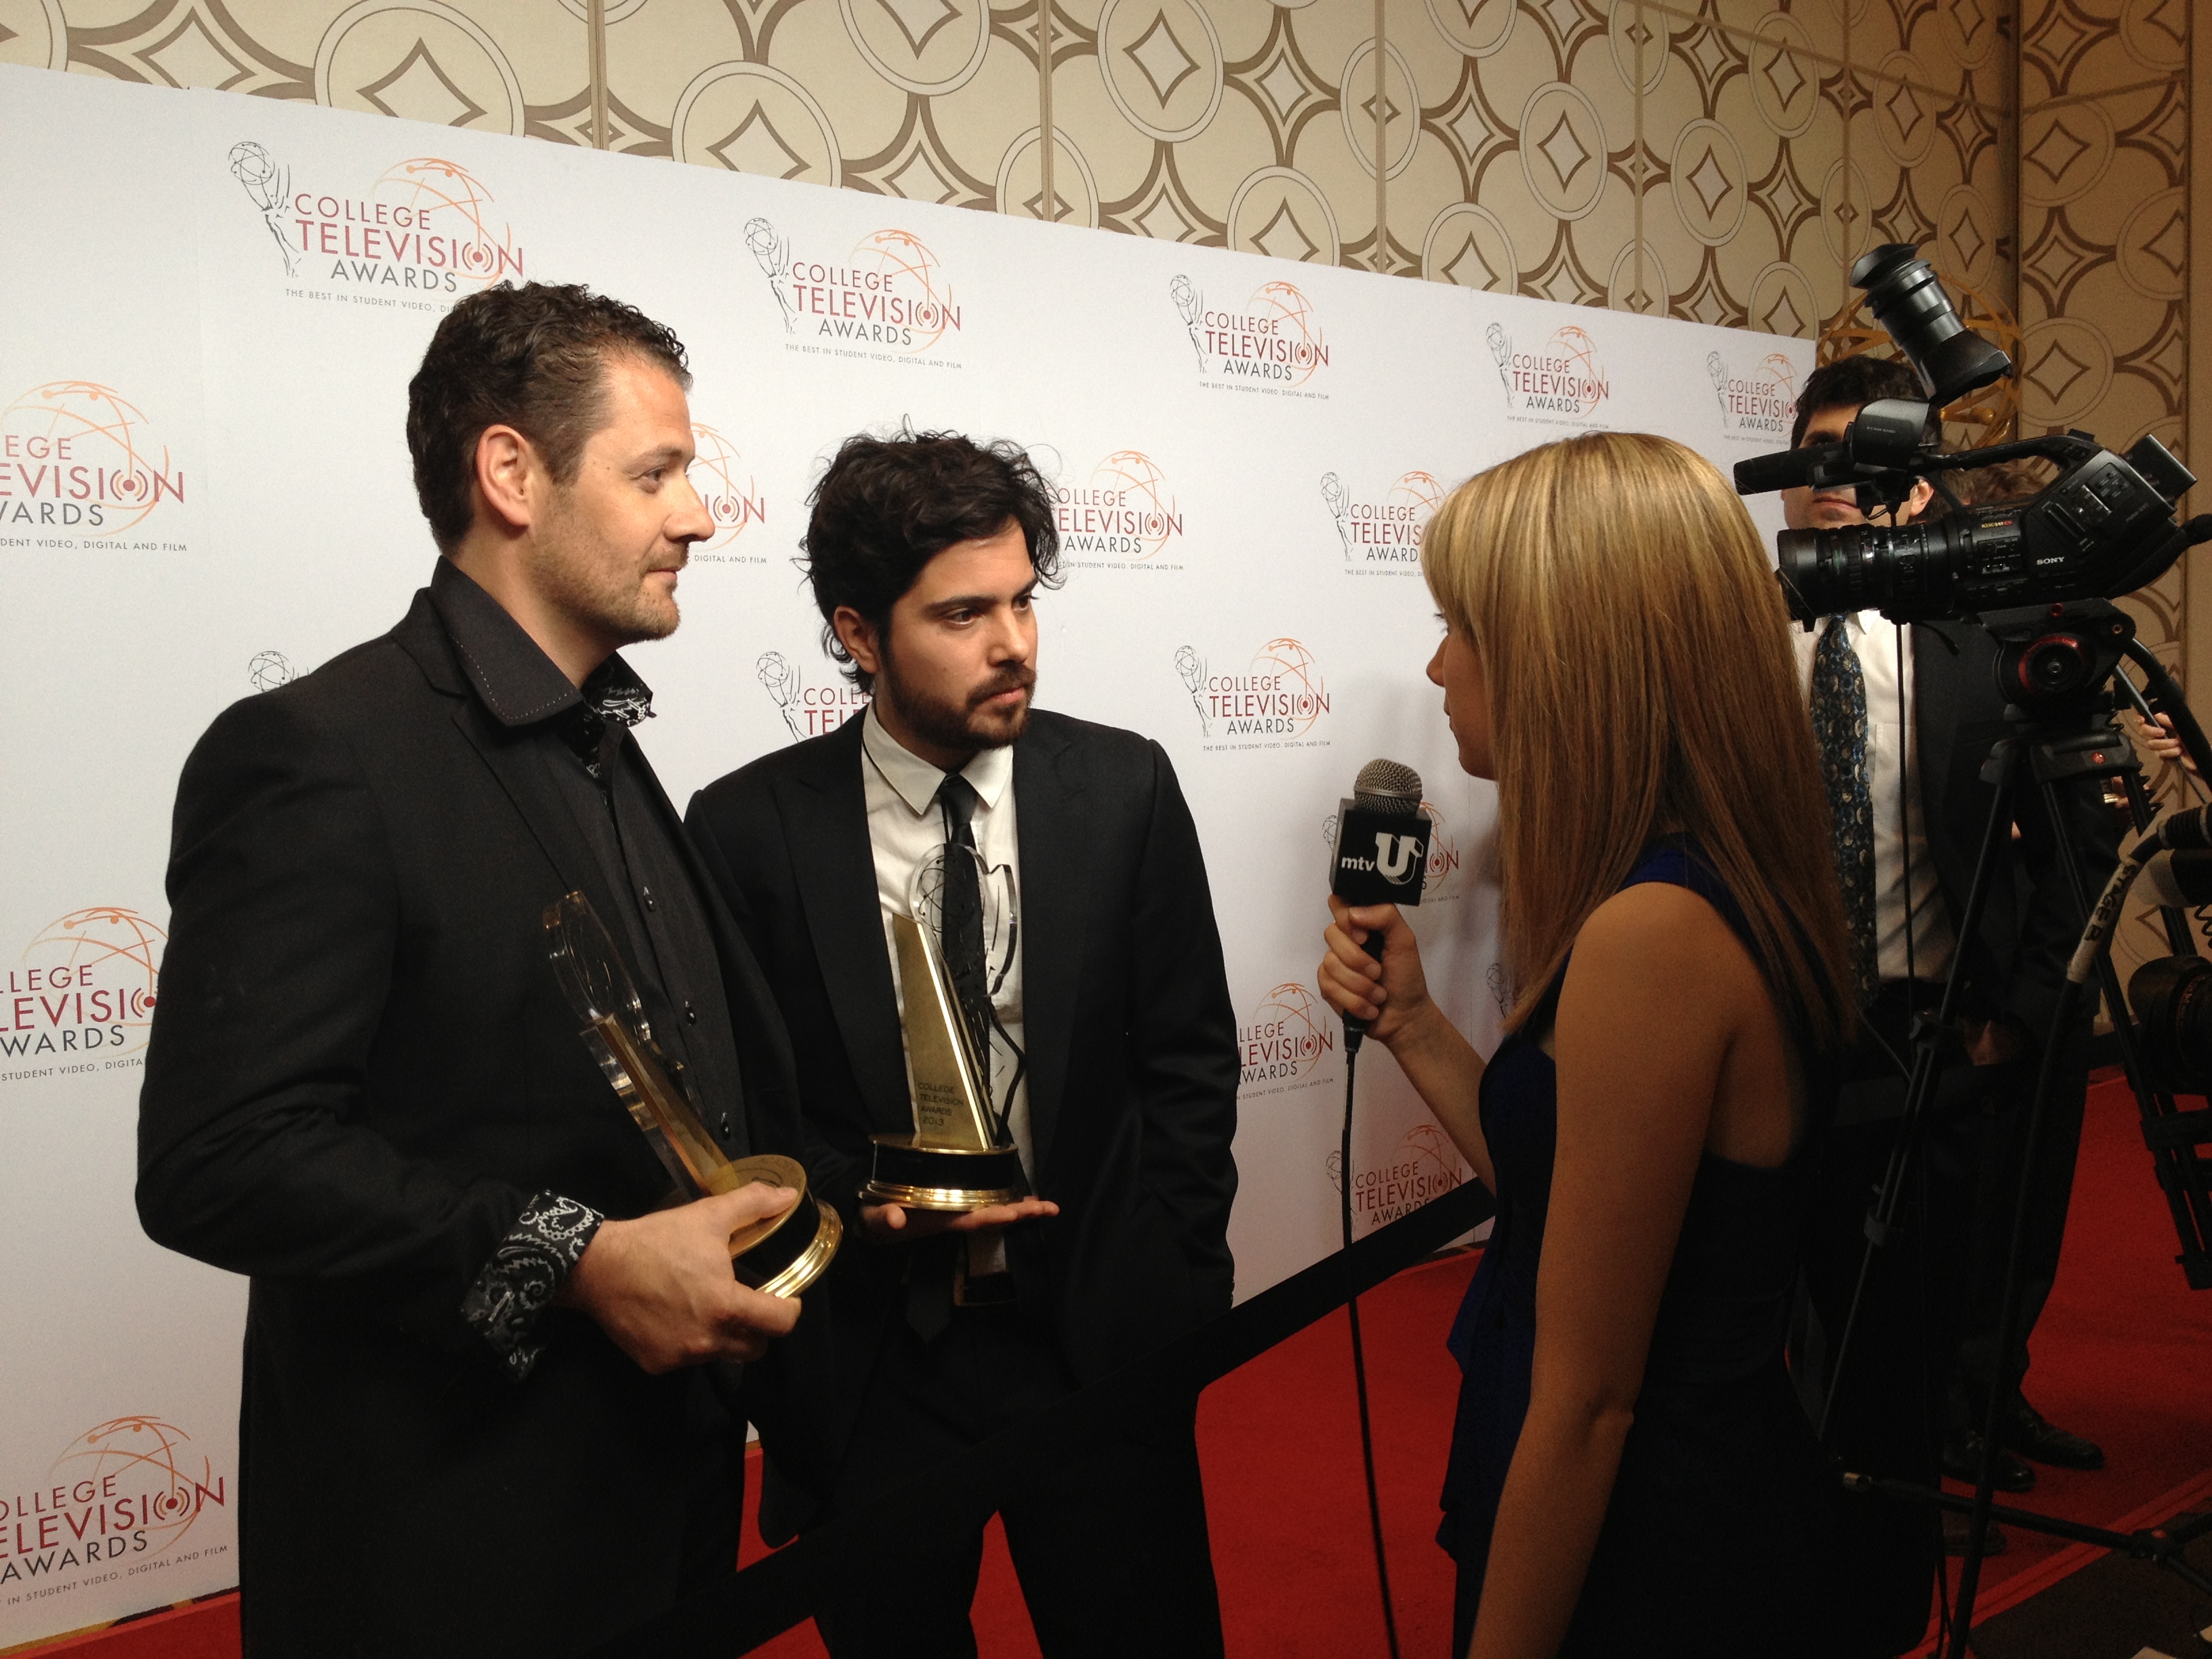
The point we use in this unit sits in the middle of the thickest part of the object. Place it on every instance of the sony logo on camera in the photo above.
(1380, 858)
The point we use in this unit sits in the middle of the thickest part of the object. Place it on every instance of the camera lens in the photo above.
(2176, 1017)
(1827, 572)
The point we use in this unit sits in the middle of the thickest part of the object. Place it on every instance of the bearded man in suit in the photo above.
(1114, 1059)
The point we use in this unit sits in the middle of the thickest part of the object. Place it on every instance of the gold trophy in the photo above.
(961, 1155)
(780, 1255)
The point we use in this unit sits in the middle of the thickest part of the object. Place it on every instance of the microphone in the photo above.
(1381, 851)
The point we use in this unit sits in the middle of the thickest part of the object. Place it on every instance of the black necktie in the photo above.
(961, 911)
(960, 920)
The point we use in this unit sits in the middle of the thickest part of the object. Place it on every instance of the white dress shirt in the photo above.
(905, 825)
(1889, 730)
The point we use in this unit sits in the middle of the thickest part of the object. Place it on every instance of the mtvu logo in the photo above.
(427, 224)
(1396, 858)
(1385, 532)
(890, 291)
(729, 493)
(1277, 700)
(808, 711)
(1286, 1040)
(1274, 340)
(78, 456)
(1126, 513)
(1760, 404)
(83, 994)
(1561, 376)
(1443, 865)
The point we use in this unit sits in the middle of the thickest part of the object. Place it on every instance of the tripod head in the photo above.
(2054, 662)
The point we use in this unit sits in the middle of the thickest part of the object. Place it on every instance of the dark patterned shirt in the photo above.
(659, 926)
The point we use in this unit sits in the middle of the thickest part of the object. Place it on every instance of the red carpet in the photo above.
(2124, 1355)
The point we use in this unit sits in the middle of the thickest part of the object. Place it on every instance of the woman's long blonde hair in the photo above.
(1637, 654)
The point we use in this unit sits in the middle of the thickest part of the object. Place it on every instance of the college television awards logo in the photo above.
(1424, 1168)
(1126, 513)
(1275, 702)
(1289, 1036)
(731, 494)
(129, 1488)
(809, 708)
(1562, 377)
(1761, 403)
(426, 224)
(891, 292)
(78, 456)
(1383, 533)
(83, 994)
(1273, 340)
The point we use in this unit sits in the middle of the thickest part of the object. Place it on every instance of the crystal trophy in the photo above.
(779, 1255)
(961, 1154)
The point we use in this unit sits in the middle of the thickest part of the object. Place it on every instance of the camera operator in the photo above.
(1905, 720)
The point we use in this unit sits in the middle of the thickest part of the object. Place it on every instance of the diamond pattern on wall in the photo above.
(1162, 57)
(419, 90)
(755, 145)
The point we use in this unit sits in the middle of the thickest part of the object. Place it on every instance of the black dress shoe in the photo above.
(2024, 1429)
(1962, 1461)
(1954, 1536)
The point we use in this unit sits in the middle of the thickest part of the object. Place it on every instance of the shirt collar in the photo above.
(512, 677)
(915, 781)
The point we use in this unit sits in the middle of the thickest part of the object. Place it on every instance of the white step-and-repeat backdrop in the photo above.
(213, 306)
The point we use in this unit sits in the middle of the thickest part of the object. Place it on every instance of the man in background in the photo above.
(488, 1401)
(1905, 718)
(1112, 1057)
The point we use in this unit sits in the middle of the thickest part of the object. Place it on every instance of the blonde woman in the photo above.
(1629, 1470)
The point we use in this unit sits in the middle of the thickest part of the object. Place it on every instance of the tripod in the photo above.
(2059, 660)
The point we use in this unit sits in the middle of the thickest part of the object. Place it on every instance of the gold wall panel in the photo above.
(1719, 160)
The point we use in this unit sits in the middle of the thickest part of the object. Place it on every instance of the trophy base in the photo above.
(949, 1178)
(784, 1253)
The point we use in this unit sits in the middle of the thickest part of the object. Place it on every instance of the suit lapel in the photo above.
(824, 809)
(1049, 807)
(764, 1044)
(521, 767)
(517, 762)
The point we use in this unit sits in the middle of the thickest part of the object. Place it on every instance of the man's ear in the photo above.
(1917, 502)
(509, 480)
(858, 636)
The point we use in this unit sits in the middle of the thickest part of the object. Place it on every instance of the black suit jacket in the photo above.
(1126, 1020)
(360, 1068)
(2015, 960)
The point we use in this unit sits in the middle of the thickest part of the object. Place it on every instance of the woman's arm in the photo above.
(1657, 990)
(1392, 997)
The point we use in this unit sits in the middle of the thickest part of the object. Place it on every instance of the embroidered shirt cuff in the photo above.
(508, 1301)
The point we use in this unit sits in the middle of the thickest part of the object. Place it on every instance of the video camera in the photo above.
(2104, 526)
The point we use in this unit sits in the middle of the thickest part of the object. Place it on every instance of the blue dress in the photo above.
(1717, 1541)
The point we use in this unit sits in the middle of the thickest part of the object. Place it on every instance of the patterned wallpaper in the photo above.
(1723, 159)
(2104, 230)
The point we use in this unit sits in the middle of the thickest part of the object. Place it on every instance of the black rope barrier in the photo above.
(774, 1594)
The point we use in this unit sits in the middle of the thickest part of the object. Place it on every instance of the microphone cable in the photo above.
(1353, 1037)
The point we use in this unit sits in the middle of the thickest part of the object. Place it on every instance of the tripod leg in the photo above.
(1889, 1197)
(2071, 998)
